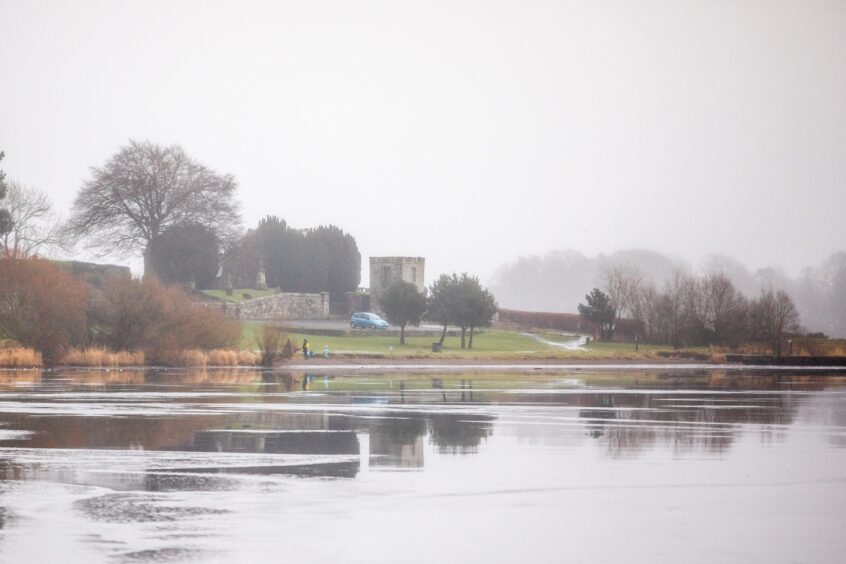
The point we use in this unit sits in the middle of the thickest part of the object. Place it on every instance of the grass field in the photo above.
(239, 295)
(491, 344)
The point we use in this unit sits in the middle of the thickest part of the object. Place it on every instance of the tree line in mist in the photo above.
(558, 282)
(688, 310)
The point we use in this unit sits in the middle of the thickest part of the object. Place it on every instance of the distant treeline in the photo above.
(321, 259)
(557, 282)
(689, 310)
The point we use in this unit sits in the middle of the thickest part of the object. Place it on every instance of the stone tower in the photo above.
(384, 271)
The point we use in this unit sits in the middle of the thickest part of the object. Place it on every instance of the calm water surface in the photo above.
(580, 466)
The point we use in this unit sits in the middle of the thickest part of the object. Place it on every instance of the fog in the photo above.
(559, 280)
(470, 133)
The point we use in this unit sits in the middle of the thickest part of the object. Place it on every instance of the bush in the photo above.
(42, 306)
(270, 342)
(161, 321)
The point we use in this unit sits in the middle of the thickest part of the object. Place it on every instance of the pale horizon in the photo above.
(468, 135)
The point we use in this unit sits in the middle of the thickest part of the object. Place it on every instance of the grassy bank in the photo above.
(493, 344)
(238, 295)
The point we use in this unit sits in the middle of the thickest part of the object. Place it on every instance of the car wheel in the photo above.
(352, 325)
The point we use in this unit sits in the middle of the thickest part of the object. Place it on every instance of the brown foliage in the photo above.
(270, 342)
(162, 321)
(41, 306)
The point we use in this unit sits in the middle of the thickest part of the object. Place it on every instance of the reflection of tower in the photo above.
(384, 452)
(398, 443)
(386, 271)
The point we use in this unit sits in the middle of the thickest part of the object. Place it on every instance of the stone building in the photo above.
(385, 271)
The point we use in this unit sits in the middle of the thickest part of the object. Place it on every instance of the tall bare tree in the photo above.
(672, 307)
(725, 309)
(645, 311)
(774, 315)
(621, 282)
(145, 188)
(35, 229)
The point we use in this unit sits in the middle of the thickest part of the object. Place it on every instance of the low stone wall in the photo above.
(280, 307)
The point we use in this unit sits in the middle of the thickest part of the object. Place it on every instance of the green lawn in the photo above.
(239, 295)
(491, 344)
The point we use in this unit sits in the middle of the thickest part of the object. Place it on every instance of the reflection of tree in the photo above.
(455, 433)
(631, 422)
(149, 433)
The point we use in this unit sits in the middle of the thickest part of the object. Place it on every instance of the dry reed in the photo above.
(100, 358)
(19, 357)
(248, 358)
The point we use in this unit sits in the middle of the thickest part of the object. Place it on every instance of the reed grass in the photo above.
(19, 357)
(93, 357)
(215, 357)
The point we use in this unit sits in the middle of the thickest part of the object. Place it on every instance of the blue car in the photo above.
(368, 321)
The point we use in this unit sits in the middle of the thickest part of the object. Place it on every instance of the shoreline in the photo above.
(469, 364)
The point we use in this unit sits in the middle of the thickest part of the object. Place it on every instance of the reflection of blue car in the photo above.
(367, 321)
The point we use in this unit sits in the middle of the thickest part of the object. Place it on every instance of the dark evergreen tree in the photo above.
(600, 311)
(185, 253)
(323, 259)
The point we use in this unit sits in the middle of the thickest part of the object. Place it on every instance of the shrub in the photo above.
(42, 306)
(162, 321)
(270, 342)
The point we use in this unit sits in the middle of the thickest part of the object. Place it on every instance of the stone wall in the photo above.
(280, 307)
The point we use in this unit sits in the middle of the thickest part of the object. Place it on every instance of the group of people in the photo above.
(309, 353)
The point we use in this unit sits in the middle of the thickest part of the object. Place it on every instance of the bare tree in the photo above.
(672, 307)
(774, 315)
(622, 283)
(35, 229)
(645, 311)
(725, 309)
(145, 188)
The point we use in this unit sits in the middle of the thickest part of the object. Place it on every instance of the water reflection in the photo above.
(629, 422)
(192, 454)
(397, 441)
(459, 434)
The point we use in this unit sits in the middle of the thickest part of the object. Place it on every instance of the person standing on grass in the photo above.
(305, 349)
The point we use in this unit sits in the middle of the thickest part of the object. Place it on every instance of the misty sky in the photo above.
(466, 132)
